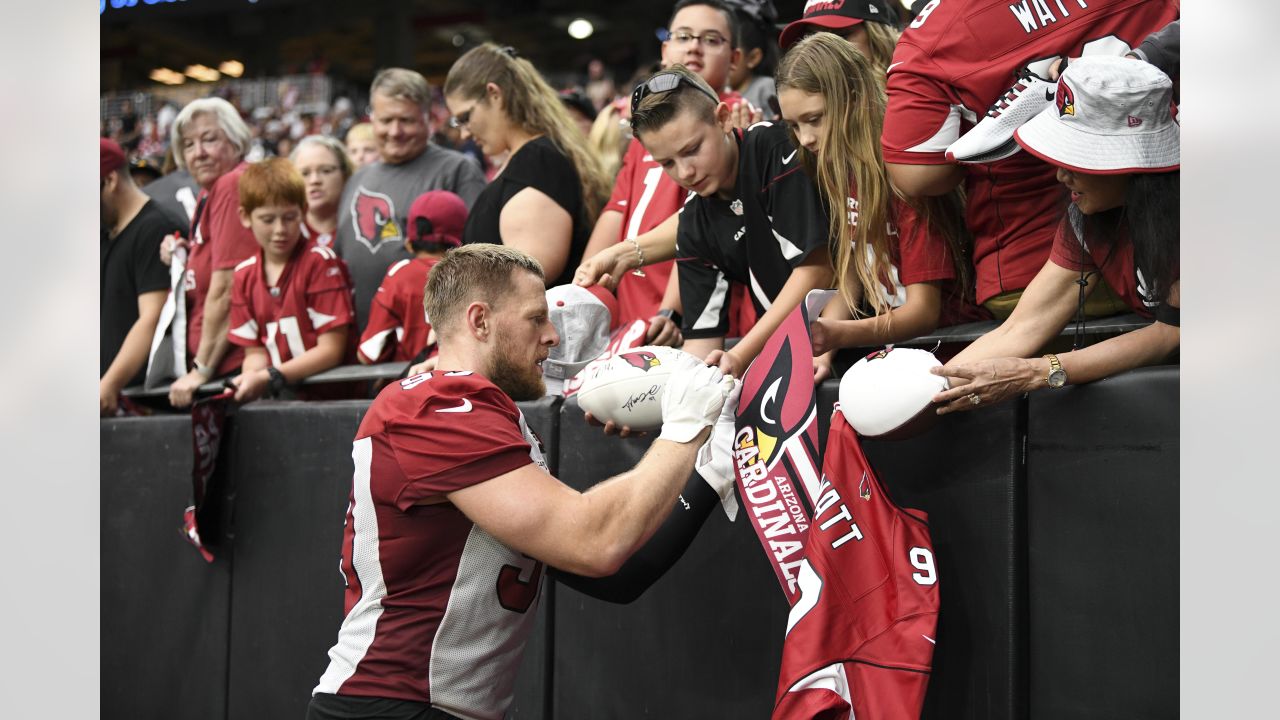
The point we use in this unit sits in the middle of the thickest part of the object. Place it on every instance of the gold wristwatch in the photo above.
(1057, 376)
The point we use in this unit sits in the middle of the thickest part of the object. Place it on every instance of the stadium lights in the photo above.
(167, 76)
(232, 68)
(581, 29)
(202, 73)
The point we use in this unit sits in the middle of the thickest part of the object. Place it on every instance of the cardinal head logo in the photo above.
(1065, 99)
(373, 218)
(642, 359)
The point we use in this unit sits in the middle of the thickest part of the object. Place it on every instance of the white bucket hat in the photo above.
(583, 318)
(1111, 115)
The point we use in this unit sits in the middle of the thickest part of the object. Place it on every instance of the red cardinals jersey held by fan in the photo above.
(437, 610)
(953, 62)
(312, 296)
(398, 327)
(918, 256)
(860, 638)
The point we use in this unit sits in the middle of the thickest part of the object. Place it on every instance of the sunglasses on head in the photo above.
(664, 82)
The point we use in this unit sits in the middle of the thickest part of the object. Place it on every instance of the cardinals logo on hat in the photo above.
(879, 354)
(373, 216)
(1066, 99)
(643, 359)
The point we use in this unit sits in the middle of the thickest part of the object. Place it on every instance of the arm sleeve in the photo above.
(922, 255)
(469, 182)
(1162, 48)
(443, 452)
(656, 556)
(382, 332)
(793, 207)
(799, 215)
(149, 273)
(920, 122)
(1068, 251)
(704, 290)
(232, 241)
(242, 326)
(328, 294)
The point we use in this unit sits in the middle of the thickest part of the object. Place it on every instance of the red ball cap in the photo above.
(437, 216)
(112, 157)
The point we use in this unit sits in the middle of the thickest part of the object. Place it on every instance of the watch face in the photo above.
(1057, 378)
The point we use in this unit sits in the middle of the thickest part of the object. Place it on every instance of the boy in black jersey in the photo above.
(753, 215)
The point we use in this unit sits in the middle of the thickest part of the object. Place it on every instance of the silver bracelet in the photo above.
(639, 270)
(205, 371)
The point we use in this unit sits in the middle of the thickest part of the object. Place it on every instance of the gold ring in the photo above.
(974, 399)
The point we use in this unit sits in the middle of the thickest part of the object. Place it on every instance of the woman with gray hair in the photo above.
(325, 168)
(210, 140)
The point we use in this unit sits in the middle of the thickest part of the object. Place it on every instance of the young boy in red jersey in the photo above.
(398, 328)
(291, 302)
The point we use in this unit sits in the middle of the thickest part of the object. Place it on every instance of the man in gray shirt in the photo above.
(375, 202)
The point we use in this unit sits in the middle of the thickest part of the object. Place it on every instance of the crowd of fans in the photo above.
(934, 171)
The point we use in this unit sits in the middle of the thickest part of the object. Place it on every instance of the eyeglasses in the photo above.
(462, 119)
(664, 82)
(711, 39)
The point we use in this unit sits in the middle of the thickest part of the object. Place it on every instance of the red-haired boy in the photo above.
(291, 302)
(398, 327)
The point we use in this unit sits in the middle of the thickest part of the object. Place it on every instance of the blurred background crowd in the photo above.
(416, 97)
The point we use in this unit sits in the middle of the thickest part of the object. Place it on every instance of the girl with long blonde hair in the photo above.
(901, 268)
(547, 197)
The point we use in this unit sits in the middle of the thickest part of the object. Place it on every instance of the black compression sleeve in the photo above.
(656, 556)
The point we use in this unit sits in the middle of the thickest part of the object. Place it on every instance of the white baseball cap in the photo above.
(1111, 115)
(584, 318)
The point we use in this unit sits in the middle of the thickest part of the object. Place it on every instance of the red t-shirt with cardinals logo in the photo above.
(398, 327)
(437, 610)
(953, 62)
(312, 296)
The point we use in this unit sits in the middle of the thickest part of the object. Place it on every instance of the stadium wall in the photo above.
(1054, 521)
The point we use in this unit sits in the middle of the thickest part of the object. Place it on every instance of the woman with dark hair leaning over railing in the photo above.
(1111, 134)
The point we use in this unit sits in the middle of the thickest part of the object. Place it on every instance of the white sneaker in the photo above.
(992, 138)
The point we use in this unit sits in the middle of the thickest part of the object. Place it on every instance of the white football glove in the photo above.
(692, 401)
(715, 459)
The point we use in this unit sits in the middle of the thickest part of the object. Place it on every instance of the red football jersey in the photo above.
(917, 256)
(398, 327)
(312, 296)
(953, 62)
(1113, 261)
(437, 610)
(860, 637)
(219, 241)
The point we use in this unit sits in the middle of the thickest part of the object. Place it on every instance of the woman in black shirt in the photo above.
(545, 201)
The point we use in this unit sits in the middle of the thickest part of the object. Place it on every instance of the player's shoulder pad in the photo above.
(246, 263)
(396, 267)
